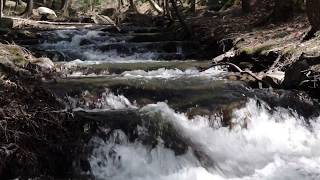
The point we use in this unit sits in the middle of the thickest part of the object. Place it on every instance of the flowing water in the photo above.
(163, 119)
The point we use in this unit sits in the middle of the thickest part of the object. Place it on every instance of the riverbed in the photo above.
(161, 117)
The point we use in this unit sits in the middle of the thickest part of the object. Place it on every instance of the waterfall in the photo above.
(271, 145)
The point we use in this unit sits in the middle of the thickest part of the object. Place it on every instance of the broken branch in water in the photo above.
(238, 69)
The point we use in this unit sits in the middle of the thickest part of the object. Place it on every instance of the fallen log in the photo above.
(20, 23)
(156, 6)
(267, 79)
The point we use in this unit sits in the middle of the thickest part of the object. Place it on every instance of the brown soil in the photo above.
(35, 138)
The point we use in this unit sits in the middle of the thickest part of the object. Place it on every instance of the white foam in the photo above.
(274, 146)
(90, 53)
(107, 101)
(172, 73)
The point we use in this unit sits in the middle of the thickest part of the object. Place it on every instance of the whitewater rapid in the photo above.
(273, 146)
(260, 144)
(84, 44)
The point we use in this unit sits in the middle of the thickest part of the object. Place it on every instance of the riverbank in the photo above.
(283, 55)
(36, 138)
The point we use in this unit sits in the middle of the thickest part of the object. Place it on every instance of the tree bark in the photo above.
(64, 7)
(155, 6)
(1, 9)
(28, 11)
(18, 2)
(132, 6)
(193, 6)
(181, 20)
(313, 11)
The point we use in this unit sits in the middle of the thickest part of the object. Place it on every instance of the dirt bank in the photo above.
(35, 138)
(281, 55)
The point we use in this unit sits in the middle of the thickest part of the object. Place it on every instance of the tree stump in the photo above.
(313, 11)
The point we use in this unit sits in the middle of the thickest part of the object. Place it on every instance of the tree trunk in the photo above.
(1, 9)
(155, 6)
(313, 11)
(28, 11)
(193, 6)
(18, 2)
(132, 6)
(180, 18)
(64, 7)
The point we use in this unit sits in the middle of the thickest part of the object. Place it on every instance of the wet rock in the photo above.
(294, 75)
(4, 31)
(85, 42)
(6, 23)
(275, 79)
(152, 37)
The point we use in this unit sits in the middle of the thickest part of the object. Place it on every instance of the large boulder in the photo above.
(44, 13)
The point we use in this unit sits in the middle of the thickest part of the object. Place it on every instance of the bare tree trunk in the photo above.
(313, 11)
(155, 6)
(181, 20)
(1, 9)
(64, 7)
(193, 6)
(28, 11)
(120, 4)
(132, 6)
(18, 2)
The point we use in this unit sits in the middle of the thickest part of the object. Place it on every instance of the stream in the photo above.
(161, 118)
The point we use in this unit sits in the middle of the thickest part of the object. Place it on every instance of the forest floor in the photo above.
(36, 138)
(284, 51)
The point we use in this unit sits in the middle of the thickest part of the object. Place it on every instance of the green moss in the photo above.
(259, 49)
(15, 54)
